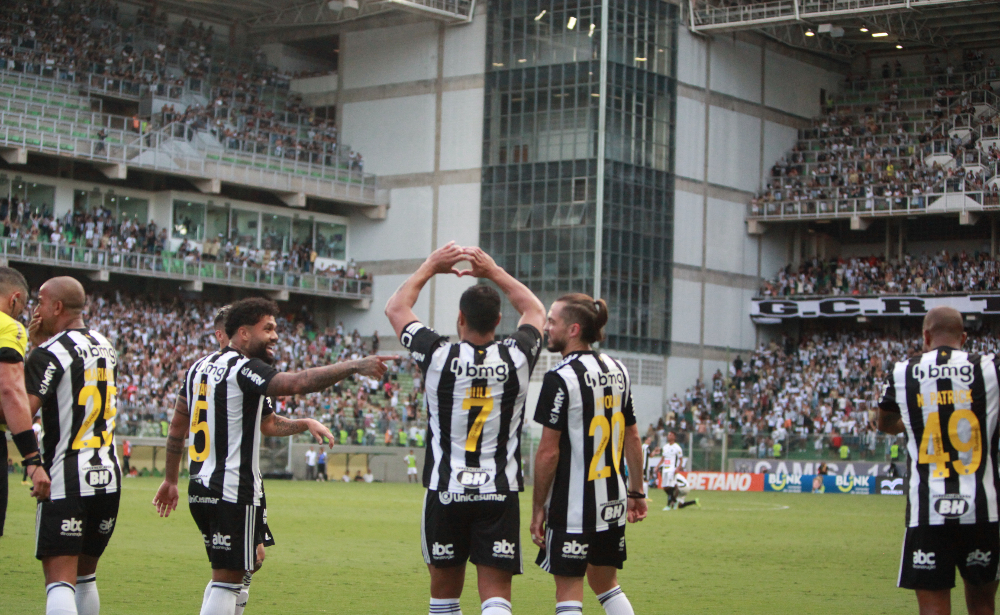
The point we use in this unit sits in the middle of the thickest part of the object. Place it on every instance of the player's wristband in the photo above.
(26, 442)
(635, 495)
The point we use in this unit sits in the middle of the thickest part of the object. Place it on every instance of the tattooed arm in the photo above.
(320, 378)
(167, 495)
(274, 425)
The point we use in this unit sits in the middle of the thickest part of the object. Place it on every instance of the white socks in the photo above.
(496, 606)
(60, 599)
(445, 606)
(241, 602)
(569, 607)
(221, 600)
(88, 602)
(615, 602)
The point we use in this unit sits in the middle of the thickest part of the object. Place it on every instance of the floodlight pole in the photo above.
(602, 121)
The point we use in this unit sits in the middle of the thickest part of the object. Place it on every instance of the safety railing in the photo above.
(878, 206)
(29, 94)
(708, 16)
(170, 267)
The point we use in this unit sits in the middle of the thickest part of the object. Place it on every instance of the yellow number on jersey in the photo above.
(199, 424)
(973, 444)
(607, 431)
(91, 400)
(479, 399)
(932, 438)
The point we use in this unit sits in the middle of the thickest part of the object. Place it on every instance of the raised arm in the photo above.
(167, 495)
(320, 378)
(530, 307)
(399, 308)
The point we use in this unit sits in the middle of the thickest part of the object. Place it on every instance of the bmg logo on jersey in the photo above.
(963, 372)
(222, 541)
(473, 477)
(602, 380)
(463, 369)
(575, 550)
(502, 548)
(951, 506)
(924, 561)
(71, 527)
(441, 551)
(978, 558)
(106, 526)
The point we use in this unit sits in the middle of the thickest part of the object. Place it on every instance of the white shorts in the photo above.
(410, 471)
(668, 478)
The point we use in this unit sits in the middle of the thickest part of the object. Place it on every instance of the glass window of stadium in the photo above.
(40, 196)
(276, 232)
(189, 220)
(127, 207)
(331, 240)
(302, 232)
(244, 228)
(216, 221)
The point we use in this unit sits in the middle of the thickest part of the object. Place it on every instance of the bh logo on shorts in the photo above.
(575, 550)
(502, 548)
(220, 541)
(441, 551)
(924, 561)
(978, 558)
(106, 526)
(71, 527)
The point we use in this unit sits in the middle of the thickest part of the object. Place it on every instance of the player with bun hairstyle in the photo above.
(582, 310)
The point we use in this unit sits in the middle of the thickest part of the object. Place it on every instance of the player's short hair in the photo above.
(583, 310)
(480, 304)
(11, 279)
(249, 312)
(220, 317)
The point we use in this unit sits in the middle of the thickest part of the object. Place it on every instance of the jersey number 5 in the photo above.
(932, 439)
(93, 404)
(601, 425)
(199, 424)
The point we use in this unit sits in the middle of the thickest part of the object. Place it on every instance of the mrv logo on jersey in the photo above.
(50, 372)
(492, 371)
(252, 377)
(964, 373)
(602, 380)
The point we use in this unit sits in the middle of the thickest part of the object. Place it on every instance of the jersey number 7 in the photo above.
(479, 398)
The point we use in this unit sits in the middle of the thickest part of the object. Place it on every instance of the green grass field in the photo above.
(354, 548)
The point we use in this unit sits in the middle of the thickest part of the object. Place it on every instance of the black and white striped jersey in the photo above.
(587, 397)
(475, 408)
(949, 401)
(226, 395)
(75, 375)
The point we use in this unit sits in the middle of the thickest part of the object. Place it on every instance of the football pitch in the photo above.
(354, 548)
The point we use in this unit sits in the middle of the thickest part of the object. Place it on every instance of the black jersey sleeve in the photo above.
(628, 410)
(42, 371)
(529, 341)
(887, 401)
(421, 342)
(254, 376)
(553, 403)
(268, 407)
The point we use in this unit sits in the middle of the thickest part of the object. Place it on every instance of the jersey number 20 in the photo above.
(602, 430)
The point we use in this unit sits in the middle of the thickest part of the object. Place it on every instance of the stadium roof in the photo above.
(835, 27)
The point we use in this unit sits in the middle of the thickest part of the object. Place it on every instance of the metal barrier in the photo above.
(875, 206)
(169, 267)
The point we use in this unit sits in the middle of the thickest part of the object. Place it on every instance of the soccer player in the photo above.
(671, 463)
(72, 375)
(224, 397)
(580, 503)
(15, 413)
(411, 467)
(946, 401)
(683, 488)
(475, 394)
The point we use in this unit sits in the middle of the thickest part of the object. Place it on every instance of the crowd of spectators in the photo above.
(252, 109)
(157, 340)
(874, 275)
(872, 156)
(807, 396)
(122, 239)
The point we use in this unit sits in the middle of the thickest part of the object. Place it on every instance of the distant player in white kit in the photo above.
(671, 463)
(411, 467)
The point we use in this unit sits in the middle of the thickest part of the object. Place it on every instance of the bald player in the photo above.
(946, 400)
(71, 376)
(15, 413)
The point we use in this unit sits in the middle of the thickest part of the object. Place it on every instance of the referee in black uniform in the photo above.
(947, 401)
